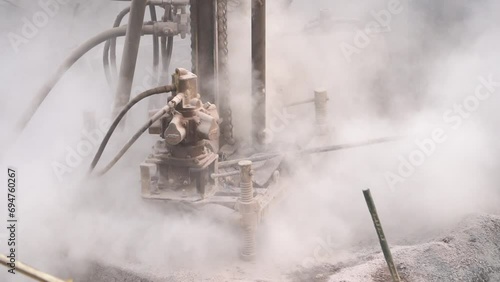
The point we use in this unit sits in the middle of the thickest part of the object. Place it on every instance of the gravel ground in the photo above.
(468, 252)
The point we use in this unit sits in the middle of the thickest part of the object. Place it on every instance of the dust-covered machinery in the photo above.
(196, 159)
(183, 160)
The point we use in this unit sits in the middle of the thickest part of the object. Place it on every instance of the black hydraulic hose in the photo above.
(75, 56)
(117, 23)
(135, 100)
(134, 138)
(156, 42)
(111, 44)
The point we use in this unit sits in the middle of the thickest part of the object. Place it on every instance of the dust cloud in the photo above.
(405, 78)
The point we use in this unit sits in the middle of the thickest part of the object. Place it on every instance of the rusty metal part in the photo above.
(203, 45)
(30, 271)
(66, 65)
(181, 163)
(381, 236)
(259, 71)
(175, 132)
(248, 209)
(130, 52)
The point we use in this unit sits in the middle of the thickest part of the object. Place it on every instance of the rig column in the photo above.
(130, 52)
(203, 46)
(259, 71)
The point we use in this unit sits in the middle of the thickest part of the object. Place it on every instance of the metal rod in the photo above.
(156, 44)
(350, 145)
(29, 271)
(293, 104)
(259, 70)
(130, 52)
(225, 174)
(380, 232)
(312, 151)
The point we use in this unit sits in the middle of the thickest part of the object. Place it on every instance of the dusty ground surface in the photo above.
(468, 252)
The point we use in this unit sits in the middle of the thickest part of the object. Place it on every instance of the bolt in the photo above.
(246, 181)
(248, 216)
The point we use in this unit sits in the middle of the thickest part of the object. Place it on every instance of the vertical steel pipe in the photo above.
(259, 70)
(381, 236)
(203, 44)
(130, 52)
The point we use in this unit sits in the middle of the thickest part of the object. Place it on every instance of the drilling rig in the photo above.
(196, 159)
